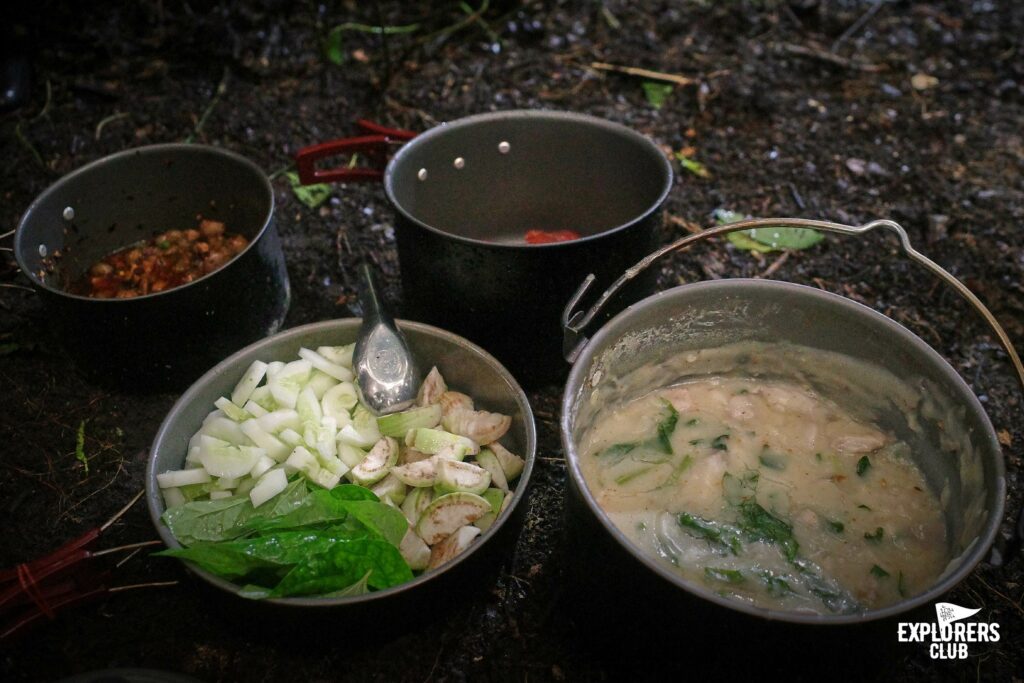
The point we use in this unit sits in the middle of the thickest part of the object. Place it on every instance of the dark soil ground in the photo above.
(843, 111)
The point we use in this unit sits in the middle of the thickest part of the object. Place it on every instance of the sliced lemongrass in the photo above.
(320, 383)
(269, 485)
(339, 355)
(323, 365)
(231, 410)
(308, 406)
(173, 497)
(250, 380)
(286, 383)
(268, 442)
(179, 478)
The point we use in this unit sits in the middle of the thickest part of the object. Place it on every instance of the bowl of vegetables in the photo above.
(272, 481)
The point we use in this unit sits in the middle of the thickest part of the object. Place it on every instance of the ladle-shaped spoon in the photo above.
(386, 372)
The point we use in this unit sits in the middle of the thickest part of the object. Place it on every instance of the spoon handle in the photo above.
(371, 298)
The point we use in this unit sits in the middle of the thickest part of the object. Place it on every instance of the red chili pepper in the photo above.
(549, 236)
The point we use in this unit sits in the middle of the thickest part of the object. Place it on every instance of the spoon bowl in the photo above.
(386, 372)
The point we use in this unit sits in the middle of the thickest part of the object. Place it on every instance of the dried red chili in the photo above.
(168, 260)
(549, 236)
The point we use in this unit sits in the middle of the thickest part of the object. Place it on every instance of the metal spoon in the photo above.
(386, 372)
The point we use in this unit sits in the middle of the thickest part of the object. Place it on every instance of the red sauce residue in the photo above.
(549, 236)
(168, 260)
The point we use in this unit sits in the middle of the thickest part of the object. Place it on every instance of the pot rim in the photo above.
(154, 500)
(446, 128)
(116, 157)
(969, 558)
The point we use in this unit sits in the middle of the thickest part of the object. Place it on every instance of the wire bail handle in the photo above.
(575, 322)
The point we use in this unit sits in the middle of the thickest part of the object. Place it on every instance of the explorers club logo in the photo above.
(949, 636)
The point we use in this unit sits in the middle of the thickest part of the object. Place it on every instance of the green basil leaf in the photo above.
(760, 525)
(718, 533)
(667, 426)
(228, 518)
(344, 564)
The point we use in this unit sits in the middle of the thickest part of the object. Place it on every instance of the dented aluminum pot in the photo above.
(969, 479)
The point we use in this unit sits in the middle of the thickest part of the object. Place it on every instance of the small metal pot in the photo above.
(167, 339)
(466, 192)
(712, 314)
(464, 366)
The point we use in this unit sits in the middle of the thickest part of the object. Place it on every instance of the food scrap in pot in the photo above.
(165, 261)
(550, 236)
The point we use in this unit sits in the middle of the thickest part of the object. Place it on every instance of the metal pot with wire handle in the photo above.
(710, 314)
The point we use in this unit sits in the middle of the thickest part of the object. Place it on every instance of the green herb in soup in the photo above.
(766, 492)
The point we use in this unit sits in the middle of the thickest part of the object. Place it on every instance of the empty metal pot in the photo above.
(167, 339)
(466, 192)
(956, 449)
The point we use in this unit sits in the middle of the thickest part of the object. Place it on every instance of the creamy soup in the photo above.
(767, 492)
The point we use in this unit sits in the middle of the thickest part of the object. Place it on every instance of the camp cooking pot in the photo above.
(162, 340)
(712, 314)
(463, 365)
(466, 192)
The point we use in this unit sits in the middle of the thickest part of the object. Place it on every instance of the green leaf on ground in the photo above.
(333, 51)
(310, 195)
(657, 93)
(769, 238)
(80, 446)
(693, 166)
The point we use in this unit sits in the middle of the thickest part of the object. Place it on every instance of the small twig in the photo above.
(857, 25)
(109, 119)
(1015, 605)
(130, 546)
(120, 513)
(448, 31)
(7, 234)
(494, 38)
(127, 557)
(689, 226)
(6, 249)
(222, 87)
(775, 265)
(153, 584)
(612, 20)
(830, 57)
(678, 79)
